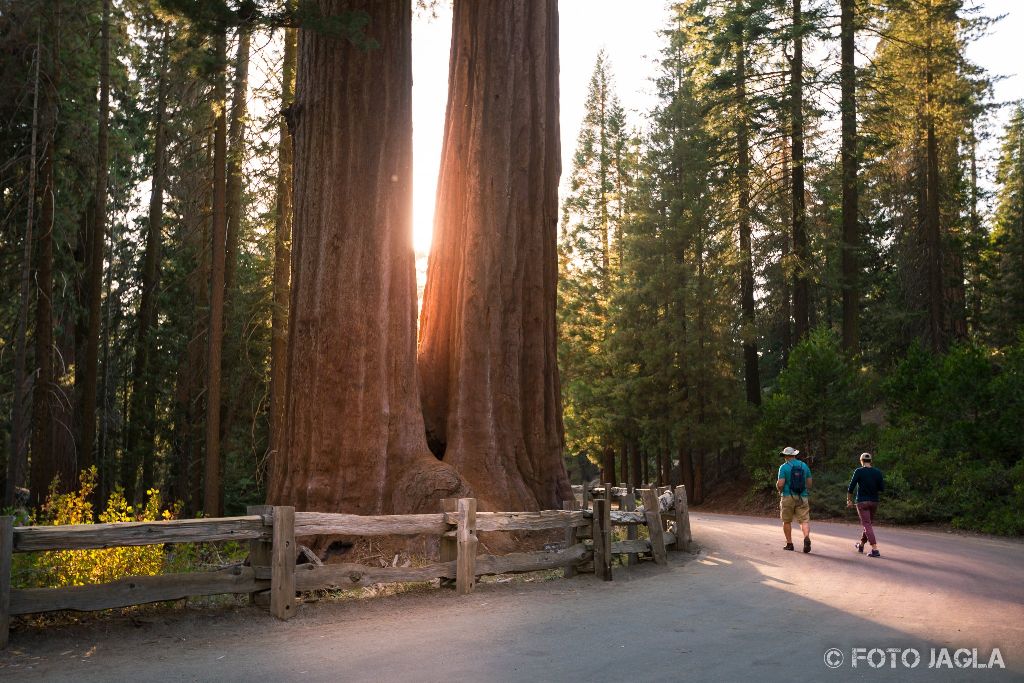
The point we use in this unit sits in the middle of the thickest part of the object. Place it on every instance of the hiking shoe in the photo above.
(859, 547)
(874, 553)
(788, 546)
(807, 545)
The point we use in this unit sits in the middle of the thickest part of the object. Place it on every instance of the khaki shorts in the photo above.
(798, 507)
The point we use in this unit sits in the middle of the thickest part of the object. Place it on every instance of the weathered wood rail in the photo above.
(272, 576)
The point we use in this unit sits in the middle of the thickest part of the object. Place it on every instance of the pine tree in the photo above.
(590, 258)
(1005, 303)
(924, 95)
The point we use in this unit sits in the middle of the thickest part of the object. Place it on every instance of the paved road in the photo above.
(742, 609)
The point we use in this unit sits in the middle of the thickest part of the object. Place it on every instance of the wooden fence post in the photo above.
(570, 539)
(260, 551)
(282, 563)
(602, 537)
(6, 555)
(652, 513)
(448, 550)
(631, 530)
(465, 563)
(683, 536)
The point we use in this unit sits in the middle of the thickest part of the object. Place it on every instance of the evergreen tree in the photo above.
(590, 258)
(1004, 307)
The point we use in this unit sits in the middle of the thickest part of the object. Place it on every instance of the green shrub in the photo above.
(954, 443)
(814, 406)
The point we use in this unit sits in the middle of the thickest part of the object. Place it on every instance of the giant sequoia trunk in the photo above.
(282, 252)
(487, 340)
(353, 438)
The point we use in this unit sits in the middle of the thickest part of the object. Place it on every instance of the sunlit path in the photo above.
(741, 609)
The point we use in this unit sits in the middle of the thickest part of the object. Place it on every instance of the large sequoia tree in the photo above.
(487, 339)
(353, 439)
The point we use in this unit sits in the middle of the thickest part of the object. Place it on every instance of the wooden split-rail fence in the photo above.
(271, 575)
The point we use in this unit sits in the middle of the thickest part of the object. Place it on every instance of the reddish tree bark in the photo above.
(751, 373)
(212, 498)
(282, 252)
(89, 368)
(236, 157)
(17, 456)
(353, 438)
(801, 249)
(851, 233)
(634, 465)
(46, 463)
(487, 340)
(608, 464)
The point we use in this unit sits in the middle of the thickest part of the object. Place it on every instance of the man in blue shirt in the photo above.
(869, 482)
(793, 483)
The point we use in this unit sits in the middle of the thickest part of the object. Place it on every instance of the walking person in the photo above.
(869, 482)
(793, 483)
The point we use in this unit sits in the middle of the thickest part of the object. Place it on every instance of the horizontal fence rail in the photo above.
(272, 577)
(94, 536)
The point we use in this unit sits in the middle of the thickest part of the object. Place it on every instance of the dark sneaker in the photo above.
(807, 545)
(859, 547)
(788, 546)
(874, 553)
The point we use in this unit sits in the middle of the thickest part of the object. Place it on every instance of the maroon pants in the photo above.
(866, 512)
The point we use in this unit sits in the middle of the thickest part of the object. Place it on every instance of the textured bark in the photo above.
(233, 344)
(487, 357)
(932, 232)
(141, 419)
(751, 374)
(282, 253)
(212, 481)
(686, 469)
(786, 336)
(608, 464)
(353, 438)
(976, 234)
(193, 193)
(634, 464)
(851, 235)
(17, 456)
(236, 156)
(89, 367)
(801, 252)
(46, 463)
(697, 492)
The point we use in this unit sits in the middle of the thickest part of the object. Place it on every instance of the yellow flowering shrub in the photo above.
(79, 567)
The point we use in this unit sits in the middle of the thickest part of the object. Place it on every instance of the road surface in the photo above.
(741, 609)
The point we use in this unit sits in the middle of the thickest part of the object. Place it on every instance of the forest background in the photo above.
(797, 241)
